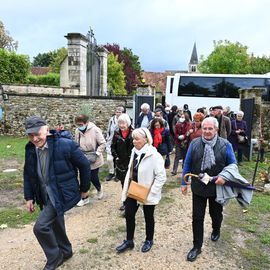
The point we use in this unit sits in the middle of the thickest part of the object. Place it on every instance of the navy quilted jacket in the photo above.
(65, 158)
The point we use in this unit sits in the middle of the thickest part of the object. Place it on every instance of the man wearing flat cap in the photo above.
(224, 122)
(50, 180)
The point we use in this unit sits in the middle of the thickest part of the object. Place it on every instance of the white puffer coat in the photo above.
(151, 168)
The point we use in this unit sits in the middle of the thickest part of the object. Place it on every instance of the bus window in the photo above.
(171, 86)
(201, 86)
(232, 85)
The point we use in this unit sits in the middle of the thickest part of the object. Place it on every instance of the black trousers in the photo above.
(51, 234)
(131, 207)
(198, 207)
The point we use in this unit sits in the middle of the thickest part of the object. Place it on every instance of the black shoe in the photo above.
(127, 244)
(173, 173)
(67, 256)
(192, 255)
(215, 236)
(147, 245)
(122, 207)
(57, 262)
(109, 177)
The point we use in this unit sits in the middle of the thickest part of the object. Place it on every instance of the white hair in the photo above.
(145, 106)
(212, 120)
(241, 113)
(124, 118)
(144, 133)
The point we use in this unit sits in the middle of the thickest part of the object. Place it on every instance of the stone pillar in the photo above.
(255, 93)
(145, 90)
(103, 57)
(77, 56)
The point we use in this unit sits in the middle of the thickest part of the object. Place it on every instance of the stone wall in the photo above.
(265, 113)
(56, 109)
(39, 89)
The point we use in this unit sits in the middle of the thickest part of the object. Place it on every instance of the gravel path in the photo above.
(97, 228)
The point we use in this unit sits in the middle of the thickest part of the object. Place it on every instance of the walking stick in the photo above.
(257, 163)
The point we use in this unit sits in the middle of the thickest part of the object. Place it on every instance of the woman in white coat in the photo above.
(146, 166)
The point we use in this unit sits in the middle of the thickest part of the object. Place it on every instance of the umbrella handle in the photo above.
(189, 174)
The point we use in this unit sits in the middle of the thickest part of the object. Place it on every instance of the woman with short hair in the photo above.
(146, 167)
(121, 148)
(91, 141)
(239, 127)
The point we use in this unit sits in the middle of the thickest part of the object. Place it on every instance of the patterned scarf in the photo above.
(209, 159)
(157, 136)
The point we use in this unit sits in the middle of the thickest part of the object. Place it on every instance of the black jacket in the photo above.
(121, 151)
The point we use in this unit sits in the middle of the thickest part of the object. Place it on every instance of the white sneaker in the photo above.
(83, 202)
(100, 193)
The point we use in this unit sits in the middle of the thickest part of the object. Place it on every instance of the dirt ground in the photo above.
(97, 228)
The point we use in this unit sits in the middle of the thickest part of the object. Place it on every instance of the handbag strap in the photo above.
(131, 172)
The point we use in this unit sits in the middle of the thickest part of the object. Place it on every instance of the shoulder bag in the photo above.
(138, 191)
(90, 155)
(241, 138)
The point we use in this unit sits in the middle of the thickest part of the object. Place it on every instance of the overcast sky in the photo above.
(160, 32)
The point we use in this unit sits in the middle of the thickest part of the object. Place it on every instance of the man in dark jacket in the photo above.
(210, 154)
(50, 180)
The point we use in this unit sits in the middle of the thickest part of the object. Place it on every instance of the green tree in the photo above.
(259, 65)
(13, 67)
(226, 58)
(58, 58)
(116, 76)
(43, 59)
(131, 65)
(6, 41)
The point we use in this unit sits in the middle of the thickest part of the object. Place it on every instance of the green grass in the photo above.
(11, 147)
(83, 250)
(15, 218)
(92, 240)
(254, 228)
(11, 180)
(115, 231)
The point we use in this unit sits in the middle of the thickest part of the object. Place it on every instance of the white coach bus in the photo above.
(207, 90)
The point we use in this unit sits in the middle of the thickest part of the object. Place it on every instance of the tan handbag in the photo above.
(138, 191)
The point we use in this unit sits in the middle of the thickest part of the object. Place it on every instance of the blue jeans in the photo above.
(95, 179)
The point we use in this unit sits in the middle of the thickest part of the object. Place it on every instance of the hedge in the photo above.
(13, 67)
(48, 79)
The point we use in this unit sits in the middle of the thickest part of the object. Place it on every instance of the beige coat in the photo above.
(91, 140)
(225, 128)
(151, 168)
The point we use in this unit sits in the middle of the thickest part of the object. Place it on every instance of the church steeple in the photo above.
(193, 63)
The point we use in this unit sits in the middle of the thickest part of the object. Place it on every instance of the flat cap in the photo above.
(33, 124)
(217, 107)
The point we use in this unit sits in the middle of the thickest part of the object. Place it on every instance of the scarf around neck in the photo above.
(209, 159)
(157, 136)
(143, 150)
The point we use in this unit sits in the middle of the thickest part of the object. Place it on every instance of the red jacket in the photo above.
(181, 129)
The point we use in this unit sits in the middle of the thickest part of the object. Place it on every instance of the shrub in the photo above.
(13, 67)
(48, 79)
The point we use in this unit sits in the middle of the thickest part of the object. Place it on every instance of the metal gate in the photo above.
(247, 106)
(93, 66)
